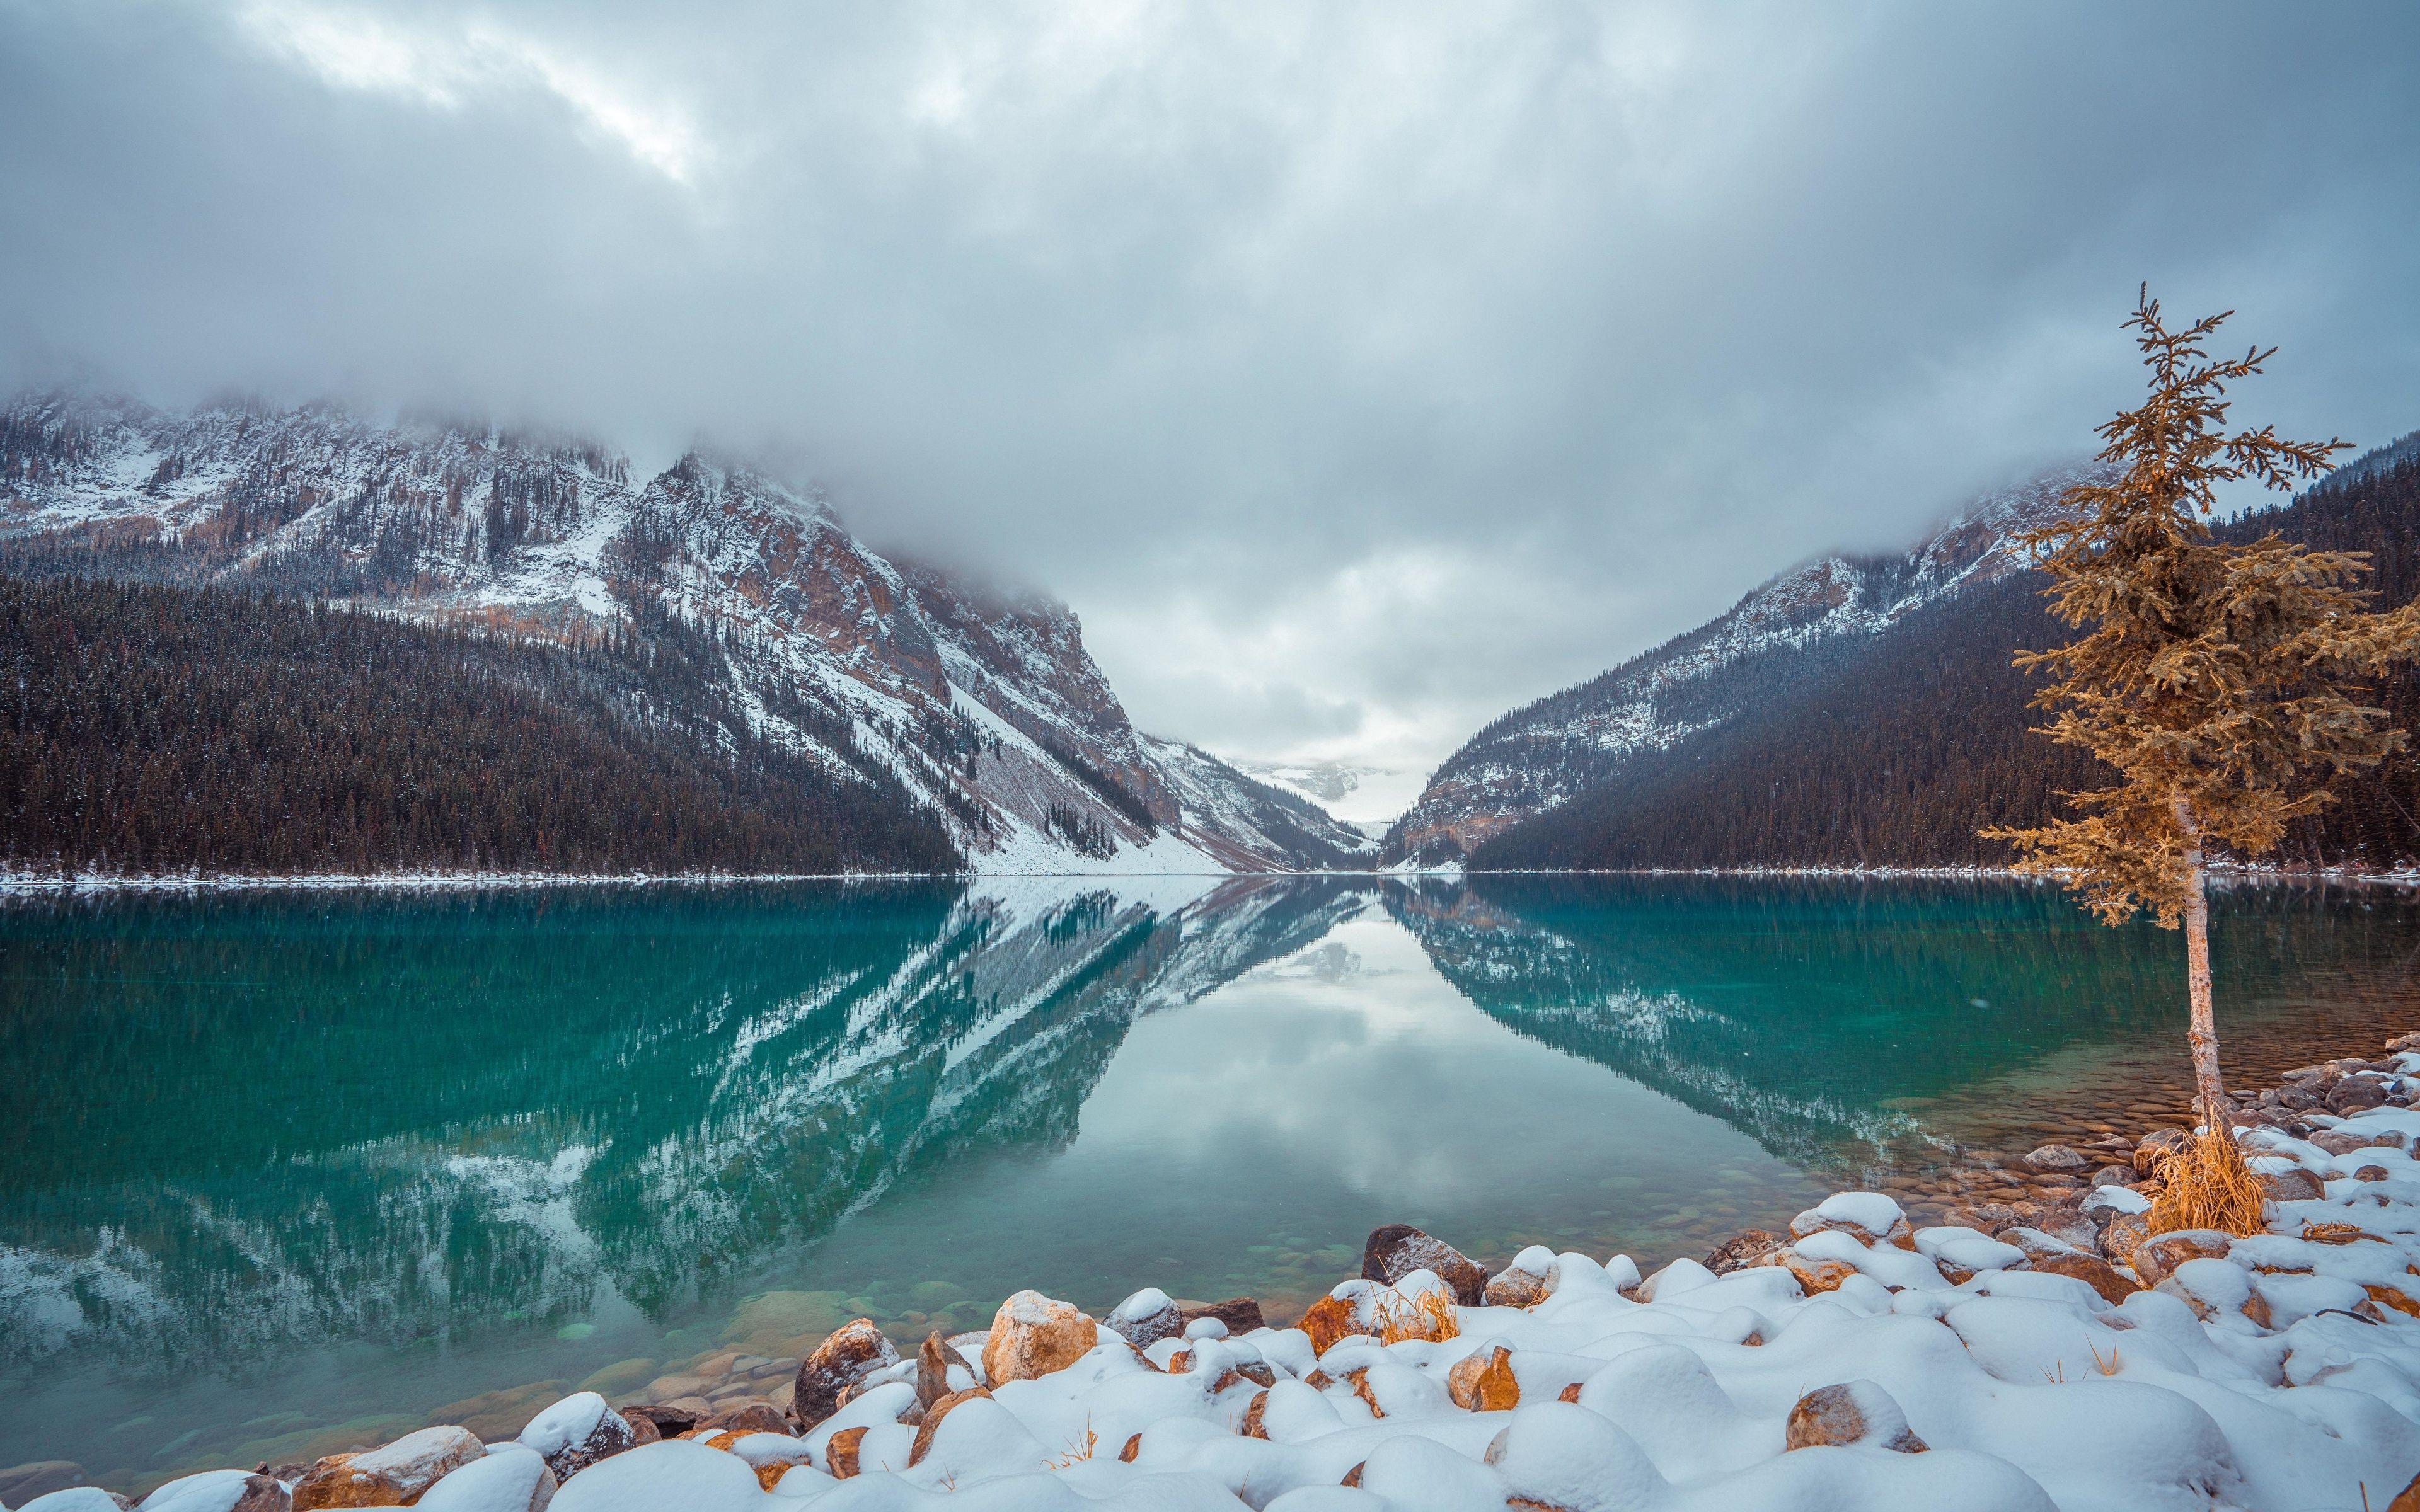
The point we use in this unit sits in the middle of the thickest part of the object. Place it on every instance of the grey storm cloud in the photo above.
(1357, 371)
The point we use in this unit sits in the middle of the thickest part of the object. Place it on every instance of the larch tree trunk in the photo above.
(2202, 1033)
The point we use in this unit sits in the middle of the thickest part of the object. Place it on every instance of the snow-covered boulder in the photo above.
(393, 1474)
(1396, 1250)
(1033, 1335)
(1522, 1282)
(1144, 1318)
(844, 1360)
(1871, 1217)
(1852, 1413)
(510, 1479)
(576, 1432)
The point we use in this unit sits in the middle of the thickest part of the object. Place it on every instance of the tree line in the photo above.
(150, 727)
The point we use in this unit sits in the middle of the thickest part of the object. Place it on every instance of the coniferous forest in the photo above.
(1895, 750)
(157, 728)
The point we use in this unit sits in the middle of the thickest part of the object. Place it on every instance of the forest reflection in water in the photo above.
(490, 1139)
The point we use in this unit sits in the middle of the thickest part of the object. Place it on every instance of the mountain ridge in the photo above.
(1541, 755)
(984, 706)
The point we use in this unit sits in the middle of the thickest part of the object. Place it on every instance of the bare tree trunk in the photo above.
(2203, 1033)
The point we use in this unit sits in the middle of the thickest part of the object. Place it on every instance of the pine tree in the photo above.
(2216, 678)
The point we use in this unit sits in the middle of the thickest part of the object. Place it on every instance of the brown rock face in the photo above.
(2091, 1269)
(753, 1417)
(2156, 1149)
(1856, 1412)
(261, 1494)
(2060, 1158)
(392, 1475)
(934, 1361)
(1509, 1288)
(1739, 1251)
(842, 1360)
(1240, 1314)
(2155, 1259)
(1397, 1250)
(1483, 1382)
(1032, 1335)
(2296, 1185)
(665, 1422)
(2121, 1235)
(840, 1455)
(940, 1409)
(1330, 1318)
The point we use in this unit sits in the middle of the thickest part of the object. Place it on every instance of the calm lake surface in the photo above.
(288, 1171)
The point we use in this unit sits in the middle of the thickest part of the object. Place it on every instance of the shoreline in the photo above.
(15, 884)
(2329, 1141)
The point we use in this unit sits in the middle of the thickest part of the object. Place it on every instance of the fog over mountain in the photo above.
(1355, 372)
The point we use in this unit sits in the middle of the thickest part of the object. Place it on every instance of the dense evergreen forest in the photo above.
(149, 727)
(1895, 750)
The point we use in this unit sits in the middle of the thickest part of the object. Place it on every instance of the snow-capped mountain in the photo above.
(1537, 758)
(984, 705)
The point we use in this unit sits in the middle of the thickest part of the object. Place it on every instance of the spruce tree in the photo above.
(2217, 679)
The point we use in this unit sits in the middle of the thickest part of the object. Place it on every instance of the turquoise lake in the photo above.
(286, 1167)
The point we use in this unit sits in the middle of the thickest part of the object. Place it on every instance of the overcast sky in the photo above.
(1357, 372)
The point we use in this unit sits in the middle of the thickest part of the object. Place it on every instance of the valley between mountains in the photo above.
(242, 640)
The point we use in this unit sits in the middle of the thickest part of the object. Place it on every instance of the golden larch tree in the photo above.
(2217, 678)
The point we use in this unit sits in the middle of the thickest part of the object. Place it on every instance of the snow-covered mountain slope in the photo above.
(1234, 817)
(985, 707)
(1540, 757)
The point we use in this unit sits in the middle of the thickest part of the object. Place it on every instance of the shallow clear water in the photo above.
(287, 1172)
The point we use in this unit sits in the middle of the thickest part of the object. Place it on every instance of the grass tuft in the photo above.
(1431, 1315)
(2208, 1186)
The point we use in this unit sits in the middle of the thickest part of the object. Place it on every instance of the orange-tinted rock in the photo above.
(839, 1454)
(940, 1409)
(1483, 1381)
(1360, 1379)
(935, 1360)
(1033, 1335)
(392, 1475)
(1330, 1319)
(1133, 1447)
(1252, 1425)
(2390, 1297)
(1816, 1277)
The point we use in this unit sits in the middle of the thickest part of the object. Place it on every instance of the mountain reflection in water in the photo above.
(248, 1126)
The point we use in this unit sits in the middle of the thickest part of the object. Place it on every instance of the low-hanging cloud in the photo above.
(1357, 371)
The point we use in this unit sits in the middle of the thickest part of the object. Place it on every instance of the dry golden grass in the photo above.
(1430, 1316)
(2208, 1186)
(1076, 1452)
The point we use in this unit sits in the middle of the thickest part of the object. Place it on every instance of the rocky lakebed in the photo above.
(2003, 1336)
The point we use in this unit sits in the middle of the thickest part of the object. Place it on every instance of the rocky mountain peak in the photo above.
(1539, 757)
